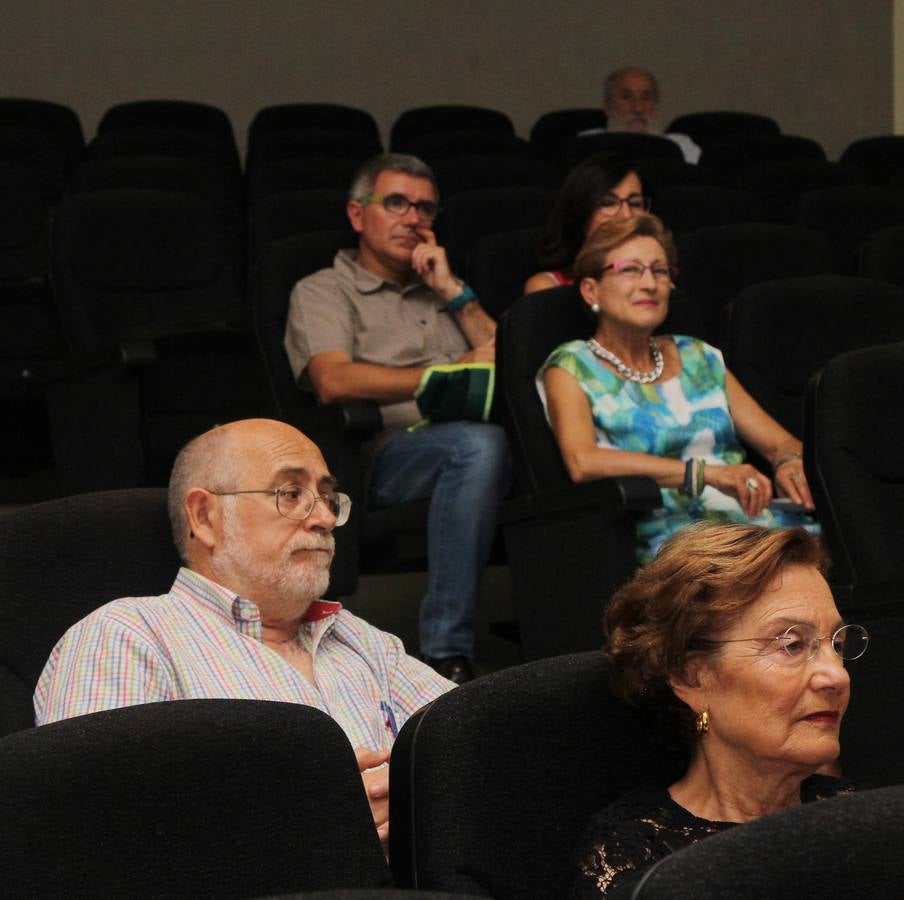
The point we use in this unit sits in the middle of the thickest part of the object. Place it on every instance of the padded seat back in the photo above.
(704, 128)
(60, 560)
(489, 792)
(717, 262)
(414, 123)
(127, 800)
(130, 263)
(845, 847)
(855, 450)
(781, 333)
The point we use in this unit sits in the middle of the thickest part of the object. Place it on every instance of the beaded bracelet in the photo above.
(460, 300)
(788, 457)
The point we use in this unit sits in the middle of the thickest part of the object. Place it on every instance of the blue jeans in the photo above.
(465, 470)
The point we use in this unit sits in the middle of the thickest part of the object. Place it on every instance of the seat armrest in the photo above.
(360, 419)
(615, 497)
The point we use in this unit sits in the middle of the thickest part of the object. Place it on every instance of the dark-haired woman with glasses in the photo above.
(605, 186)
(730, 642)
(628, 403)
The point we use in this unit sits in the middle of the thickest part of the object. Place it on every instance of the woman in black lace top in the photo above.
(731, 640)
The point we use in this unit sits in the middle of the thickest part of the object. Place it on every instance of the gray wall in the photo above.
(823, 68)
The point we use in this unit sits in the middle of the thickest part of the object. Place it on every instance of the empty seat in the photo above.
(705, 127)
(48, 165)
(729, 158)
(716, 263)
(777, 185)
(553, 127)
(445, 144)
(300, 174)
(179, 115)
(472, 214)
(323, 116)
(686, 207)
(658, 172)
(473, 172)
(414, 123)
(59, 125)
(311, 142)
(882, 255)
(499, 266)
(295, 212)
(879, 158)
(171, 142)
(631, 144)
(151, 296)
(855, 455)
(780, 333)
(849, 215)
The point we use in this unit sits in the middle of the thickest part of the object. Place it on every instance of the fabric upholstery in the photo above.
(705, 127)
(413, 123)
(882, 255)
(686, 207)
(782, 332)
(855, 447)
(717, 262)
(192, 798)
(846, 847)
(879, 157)
(61, 559)
(493, 784)
(729, 157)
(553, 127)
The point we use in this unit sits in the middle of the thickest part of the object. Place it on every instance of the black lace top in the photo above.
(637, 830)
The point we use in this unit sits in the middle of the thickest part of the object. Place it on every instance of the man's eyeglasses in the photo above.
(632, 268)
(799, 643)
(399, 204)
(296, 502)
(611, 204)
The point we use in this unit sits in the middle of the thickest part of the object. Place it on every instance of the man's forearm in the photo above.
(475, 324)
(366, 381)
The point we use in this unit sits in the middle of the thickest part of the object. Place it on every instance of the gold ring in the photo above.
(752, 484)
(794, 476)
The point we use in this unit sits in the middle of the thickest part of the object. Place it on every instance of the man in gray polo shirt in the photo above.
(366, 329)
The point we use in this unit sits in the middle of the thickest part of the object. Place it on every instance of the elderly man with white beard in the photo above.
(252, 507)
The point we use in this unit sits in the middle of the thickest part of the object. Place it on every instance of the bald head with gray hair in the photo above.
(208, 461)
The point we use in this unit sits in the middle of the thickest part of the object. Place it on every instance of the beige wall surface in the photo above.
(822, 68)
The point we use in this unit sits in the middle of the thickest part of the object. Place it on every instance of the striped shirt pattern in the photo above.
(202, 641)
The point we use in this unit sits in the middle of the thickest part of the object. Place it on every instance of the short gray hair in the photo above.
(366, 177)
(203, 462)
(613, 77)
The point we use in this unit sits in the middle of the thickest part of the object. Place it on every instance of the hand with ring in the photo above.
(791, 482)
(743, 482)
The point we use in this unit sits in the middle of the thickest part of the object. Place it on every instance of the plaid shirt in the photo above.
(203, 641)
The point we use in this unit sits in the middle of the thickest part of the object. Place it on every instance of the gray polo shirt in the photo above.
(350, 309)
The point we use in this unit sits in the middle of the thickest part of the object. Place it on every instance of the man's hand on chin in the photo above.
(374, 768)
(429, 260)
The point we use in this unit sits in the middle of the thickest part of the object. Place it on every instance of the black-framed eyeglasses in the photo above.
(296, 502)
(611, 204)
(634, 268)
(800, 643)
(399, 204)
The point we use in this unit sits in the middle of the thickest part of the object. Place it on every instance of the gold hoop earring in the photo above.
(702, 722)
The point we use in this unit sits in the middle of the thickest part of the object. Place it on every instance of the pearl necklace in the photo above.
(626, 371)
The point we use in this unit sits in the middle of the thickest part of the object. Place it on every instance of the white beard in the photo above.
(286, 587)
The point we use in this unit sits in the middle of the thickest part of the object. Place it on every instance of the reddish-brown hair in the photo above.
(698, 586)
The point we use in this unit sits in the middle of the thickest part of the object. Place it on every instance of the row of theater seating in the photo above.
(491, 787)
(119, 420)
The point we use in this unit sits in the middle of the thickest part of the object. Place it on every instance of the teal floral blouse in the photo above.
(682, 417)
